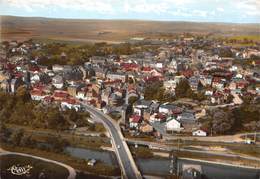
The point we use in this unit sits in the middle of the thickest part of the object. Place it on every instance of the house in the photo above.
(208, 92)
(173, 125)
(5, 85)
(186, 117)
(157, 117)
(217, 98)
(141, 105)
(188, 120)
(73, 74)
(134, 121)
(98, 60)
(146, 128)
(115, 99)
(154, 107)
(72, 90)
(257, 89)
(208, 80)
(155, 73)
(194, 83)
(70, 104)
(57, 68)
(100, 73)
(168, 108)
(57, 81)
(129, 66)
(15, 84)
(60, 95)
(170, 85)
(39, 77)
(199, 132)
(37, 95)
(218, 82)
(117, 76)
(82, 95)
(47, 99)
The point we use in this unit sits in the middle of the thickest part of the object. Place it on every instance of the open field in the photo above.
(248, 37)
(112, 31)
(51, 170)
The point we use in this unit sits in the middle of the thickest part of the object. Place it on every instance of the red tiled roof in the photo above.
(129, 66)
(37, 93)
(187, 73)
(34, 69)
(60, 94)
(70, 101)
(135, 118)
(217, 94)
(160, 116)
(151, 79)
(18, 75)
(147, 69)
(112, 82)
(48, 98)
(217, 79)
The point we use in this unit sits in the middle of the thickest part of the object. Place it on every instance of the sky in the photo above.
(235, 11)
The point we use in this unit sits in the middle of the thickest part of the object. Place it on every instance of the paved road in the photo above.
(123, 154)
(170, 148)
(72, 172)
(223, 138)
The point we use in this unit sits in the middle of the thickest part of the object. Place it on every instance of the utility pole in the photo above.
(178, 144)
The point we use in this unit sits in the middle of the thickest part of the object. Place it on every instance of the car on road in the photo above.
(118, 146)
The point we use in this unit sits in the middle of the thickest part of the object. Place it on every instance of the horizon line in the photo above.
(126, 19)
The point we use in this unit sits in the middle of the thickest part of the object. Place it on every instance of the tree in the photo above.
(23, 94)
(27, 141)
(16, 137)
(183, 89)
(57, 143)
(222, 121)
(132, 100)
(99, 128)
(4, 133)
(55, 120)
(153, 91)
(252, 126)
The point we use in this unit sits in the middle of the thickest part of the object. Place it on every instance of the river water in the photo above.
(211, 171)
(106, 157)
(161, 166)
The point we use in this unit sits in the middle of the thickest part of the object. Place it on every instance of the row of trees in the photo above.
(20, 110)
(228, 120)
(183, 90)
(19, 138)
(156, 91)
(77, 54)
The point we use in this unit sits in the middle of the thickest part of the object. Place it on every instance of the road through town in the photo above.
(123, 153)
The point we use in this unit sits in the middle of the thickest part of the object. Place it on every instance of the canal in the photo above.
(211, 171)
(161, 166)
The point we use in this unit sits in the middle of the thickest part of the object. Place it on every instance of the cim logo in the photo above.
(18, 170)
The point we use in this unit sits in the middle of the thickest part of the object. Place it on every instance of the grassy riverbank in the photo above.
(50, 170)
(41, 135)
(79, 164)
(211, 158)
